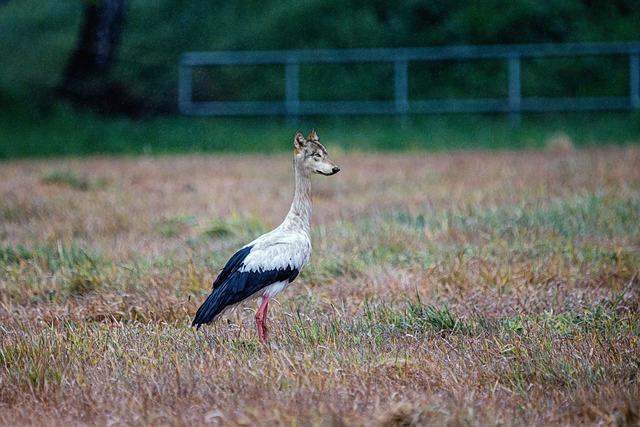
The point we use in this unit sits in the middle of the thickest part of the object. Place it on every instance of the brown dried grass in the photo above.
(461, 289)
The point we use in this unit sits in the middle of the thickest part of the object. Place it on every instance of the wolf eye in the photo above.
(317, 155)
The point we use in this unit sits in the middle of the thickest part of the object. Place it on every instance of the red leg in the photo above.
(261, 320)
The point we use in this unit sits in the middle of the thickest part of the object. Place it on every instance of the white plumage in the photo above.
(278, 249)
(268, 265)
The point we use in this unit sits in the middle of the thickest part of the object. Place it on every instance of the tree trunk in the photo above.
(96, 46)
(85, 80)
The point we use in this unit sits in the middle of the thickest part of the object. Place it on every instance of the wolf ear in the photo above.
(313, 136)
(298, 141)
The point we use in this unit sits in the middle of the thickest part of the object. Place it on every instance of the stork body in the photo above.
(268, 265)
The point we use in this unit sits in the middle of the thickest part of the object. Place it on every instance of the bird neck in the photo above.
(299, 215)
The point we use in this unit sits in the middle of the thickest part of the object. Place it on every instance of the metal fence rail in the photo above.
(402, 105)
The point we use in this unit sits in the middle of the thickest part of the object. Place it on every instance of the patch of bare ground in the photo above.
(462, 289)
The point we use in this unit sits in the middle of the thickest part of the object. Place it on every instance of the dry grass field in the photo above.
(444, 289)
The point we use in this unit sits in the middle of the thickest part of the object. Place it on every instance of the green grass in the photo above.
(51, 256)
(66, 177)
(63, 132)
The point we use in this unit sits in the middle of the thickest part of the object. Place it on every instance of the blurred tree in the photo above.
(85, 81)
(97, 43)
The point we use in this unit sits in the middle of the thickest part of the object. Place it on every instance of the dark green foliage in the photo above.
(149, 52)
(39, 37)
(201, 25)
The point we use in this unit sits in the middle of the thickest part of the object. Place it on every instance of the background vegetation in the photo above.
(38, 38)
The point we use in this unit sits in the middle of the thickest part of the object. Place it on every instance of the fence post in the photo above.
(185, 100)
(634, 79)
(515, 95)
(401, 88)
(292, 89)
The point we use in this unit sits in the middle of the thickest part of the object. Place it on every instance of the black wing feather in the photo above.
(232, 266)
(233, 286)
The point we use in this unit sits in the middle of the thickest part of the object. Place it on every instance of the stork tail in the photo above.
(209, 310)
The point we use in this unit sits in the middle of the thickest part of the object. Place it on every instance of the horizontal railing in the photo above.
(514, 103)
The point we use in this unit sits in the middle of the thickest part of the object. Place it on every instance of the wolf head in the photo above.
(312, 155)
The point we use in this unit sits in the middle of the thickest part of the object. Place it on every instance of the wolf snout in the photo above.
(335, 169)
